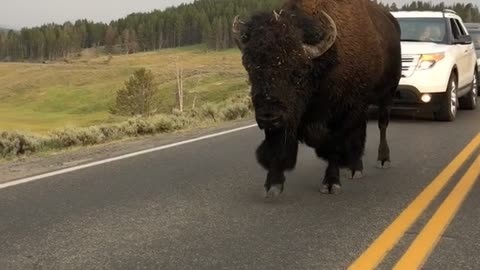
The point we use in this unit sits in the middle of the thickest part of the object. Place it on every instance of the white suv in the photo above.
(439, 64)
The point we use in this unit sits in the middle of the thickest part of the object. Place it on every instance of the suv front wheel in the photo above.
(469, 101)
(449, 101)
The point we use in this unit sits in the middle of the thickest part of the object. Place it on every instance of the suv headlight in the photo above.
(427, 61)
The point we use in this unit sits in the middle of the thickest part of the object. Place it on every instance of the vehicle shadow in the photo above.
(411, 116)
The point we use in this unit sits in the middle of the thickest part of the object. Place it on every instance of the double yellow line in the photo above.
(422, 246)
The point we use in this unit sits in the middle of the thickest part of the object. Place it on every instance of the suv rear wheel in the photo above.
(469, 101)
(449, 102)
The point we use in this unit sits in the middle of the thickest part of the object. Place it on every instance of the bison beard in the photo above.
(314, 68)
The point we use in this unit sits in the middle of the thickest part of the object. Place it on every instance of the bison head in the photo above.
(278, 51)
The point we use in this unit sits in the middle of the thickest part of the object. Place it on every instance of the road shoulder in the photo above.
(52, 161)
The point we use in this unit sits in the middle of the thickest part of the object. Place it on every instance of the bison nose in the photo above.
(268, 117)
(268, 120)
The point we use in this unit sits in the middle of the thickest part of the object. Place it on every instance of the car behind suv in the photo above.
(439, 64)
(474, 31)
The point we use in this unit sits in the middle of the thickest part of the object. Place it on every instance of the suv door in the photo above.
(463, 54)
(471, 49)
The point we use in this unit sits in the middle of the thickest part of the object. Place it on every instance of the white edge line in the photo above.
(100, 162)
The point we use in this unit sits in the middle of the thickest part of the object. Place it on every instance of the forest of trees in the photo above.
(204, 21)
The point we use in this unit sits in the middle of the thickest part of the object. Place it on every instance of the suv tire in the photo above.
(469, 101)
(449, 101)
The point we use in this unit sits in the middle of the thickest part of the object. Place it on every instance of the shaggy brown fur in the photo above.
(364, 38)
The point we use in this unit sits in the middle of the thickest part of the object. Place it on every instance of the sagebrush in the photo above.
(20, 143)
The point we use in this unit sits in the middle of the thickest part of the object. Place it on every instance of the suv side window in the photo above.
(462, 30)
(455, 29)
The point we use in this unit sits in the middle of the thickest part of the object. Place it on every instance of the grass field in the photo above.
(41, 97)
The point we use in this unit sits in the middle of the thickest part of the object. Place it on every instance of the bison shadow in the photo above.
(405, 116)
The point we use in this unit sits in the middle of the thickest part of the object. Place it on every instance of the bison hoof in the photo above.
(274, 191)
(353, 174)
(384, 164)
(356, 175)
(331, 189)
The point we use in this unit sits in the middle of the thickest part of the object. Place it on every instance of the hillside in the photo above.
(40, 97)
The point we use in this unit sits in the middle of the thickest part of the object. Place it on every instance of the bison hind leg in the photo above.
(383, 160)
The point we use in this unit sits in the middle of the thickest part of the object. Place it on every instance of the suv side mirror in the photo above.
(464, 40)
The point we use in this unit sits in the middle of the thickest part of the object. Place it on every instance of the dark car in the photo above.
(474, 30)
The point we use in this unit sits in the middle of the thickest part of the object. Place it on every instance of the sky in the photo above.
(28, 13)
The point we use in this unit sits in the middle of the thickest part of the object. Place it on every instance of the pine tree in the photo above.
(137, 97)
(178, 30)
(160, 33)
(110, 39)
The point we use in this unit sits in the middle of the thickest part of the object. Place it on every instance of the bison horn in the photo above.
(277, 15)
(237, 25)
(237, 29)
(319, 49)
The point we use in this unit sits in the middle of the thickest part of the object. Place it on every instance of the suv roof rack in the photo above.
(446, 10)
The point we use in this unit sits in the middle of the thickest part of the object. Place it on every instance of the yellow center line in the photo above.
(372, 257)
(428, 238)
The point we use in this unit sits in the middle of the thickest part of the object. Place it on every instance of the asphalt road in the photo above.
(201, 206)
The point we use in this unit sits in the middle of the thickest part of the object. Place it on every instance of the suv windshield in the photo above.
(423, 29)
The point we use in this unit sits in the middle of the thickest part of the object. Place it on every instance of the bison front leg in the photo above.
(331, 182)
(277, 154)
(345, 150)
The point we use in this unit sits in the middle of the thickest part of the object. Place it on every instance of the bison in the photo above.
(315, 67)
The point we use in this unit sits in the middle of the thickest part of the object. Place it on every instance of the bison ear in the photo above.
(329, 37)
(238, 29)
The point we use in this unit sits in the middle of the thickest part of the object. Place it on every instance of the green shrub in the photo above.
(65, 137)
(91, 136)
(16, 143)
(137, 97)
(163, 123)
(235, 111)
(142, 126)
(209, 110)
(112, 132)
(128, 128)
(78, 136)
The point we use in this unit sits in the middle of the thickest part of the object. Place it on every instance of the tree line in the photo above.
(204, 21)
